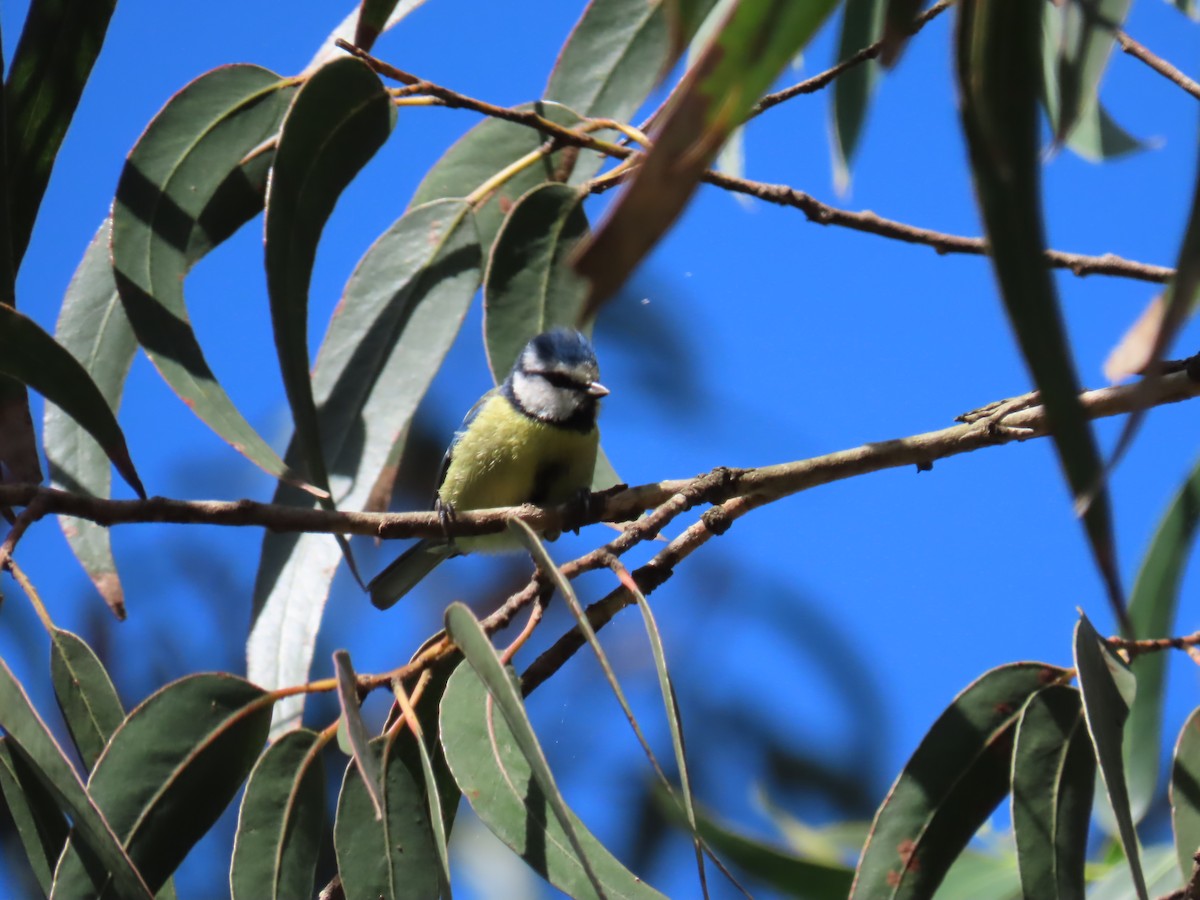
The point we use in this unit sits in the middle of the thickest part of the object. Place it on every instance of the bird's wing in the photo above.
(462, 429)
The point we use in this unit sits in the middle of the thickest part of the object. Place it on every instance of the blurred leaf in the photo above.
(32, 357)
(684, 21)
(40, 825)
(1185, 794)
(93, 328)
(393, 858)
(494, 774)
(377, 16)
(898, 19)
(1098, 137)
(1053, 781)
(615, 54)
(862, 25)
(489, 147)
(998, 51)
(29, 733)
(59, 44)
(1077, 39)
(168, 774)
(1152, 607)
(337, 121)
(1188, 7)
(982, 876)
(399, 314)
(280, 822)
(790, 874)
(356, 729)
(529, 287)
(188, 153)
(18, 443)
(1162, 877)
(85, 693)
(753, 45)
(1108, 688)
(949, 787)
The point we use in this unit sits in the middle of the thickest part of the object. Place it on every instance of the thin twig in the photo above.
(619, 504)
(1157, 63)
(823, 79)
(782, 195)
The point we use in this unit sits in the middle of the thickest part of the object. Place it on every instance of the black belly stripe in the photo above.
(544, 480)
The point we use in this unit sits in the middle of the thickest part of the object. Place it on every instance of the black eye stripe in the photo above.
(562, 380)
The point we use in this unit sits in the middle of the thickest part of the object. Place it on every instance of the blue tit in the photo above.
(533, 439)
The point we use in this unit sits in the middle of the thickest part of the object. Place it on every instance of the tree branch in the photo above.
(768, 483)
(782, 195)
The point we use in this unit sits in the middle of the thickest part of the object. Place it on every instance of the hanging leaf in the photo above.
(337, 121)
(1152, 606)
(956, 777)
(280, 822)
(1053, 781)
(32, 357)
(93, 328)
(998, 65)
(40, 825)
(187, 154)
(1185, 794)
(399, 315)
(495, 775)
(356, 729)
(393, 858)
(862, 25)
(59, 44)
(1108, 688)
(85, 693)
(167, 775)
(748, 52)
(26, 730)
(529, 288)
(377, 16)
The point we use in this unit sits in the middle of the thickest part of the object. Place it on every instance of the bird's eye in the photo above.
(563, 380)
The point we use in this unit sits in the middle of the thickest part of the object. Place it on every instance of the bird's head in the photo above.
(556, 380)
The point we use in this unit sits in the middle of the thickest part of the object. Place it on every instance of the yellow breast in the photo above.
(506, 458)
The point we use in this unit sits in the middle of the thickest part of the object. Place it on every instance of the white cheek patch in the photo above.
(542, 400)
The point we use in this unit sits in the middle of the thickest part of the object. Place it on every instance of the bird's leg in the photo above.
(584, 506)
(445, 514)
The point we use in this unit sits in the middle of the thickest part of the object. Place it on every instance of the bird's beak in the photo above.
(596, 389)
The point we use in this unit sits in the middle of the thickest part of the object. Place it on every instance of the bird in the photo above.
(532, 439)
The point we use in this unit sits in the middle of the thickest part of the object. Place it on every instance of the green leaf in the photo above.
(897, 24)
(32, 357)
(750, 49)
(495, 775)
(998, 47)
(280, 822)
(862, 25)
(492, 145)
(1053, 782)
(1108, 688)
(185, 158)
(982, 876)
(529, 287)
(393, 858)
(356, 729)
(1098, 137)
(167, 775)
(59, 44)
(1185, 793)
(1152, 606)
(377, 16)
(1077, 39)
(93, 328)
(85, 693)
(400, 312)
(685, 22)
(29, 733)
(949, 787)
(336, 123)
(616, 53)
(790, 874)
(40, 825)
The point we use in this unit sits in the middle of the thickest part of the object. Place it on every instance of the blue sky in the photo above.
(837, 623)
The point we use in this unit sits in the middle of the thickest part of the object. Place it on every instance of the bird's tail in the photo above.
(406, 571)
